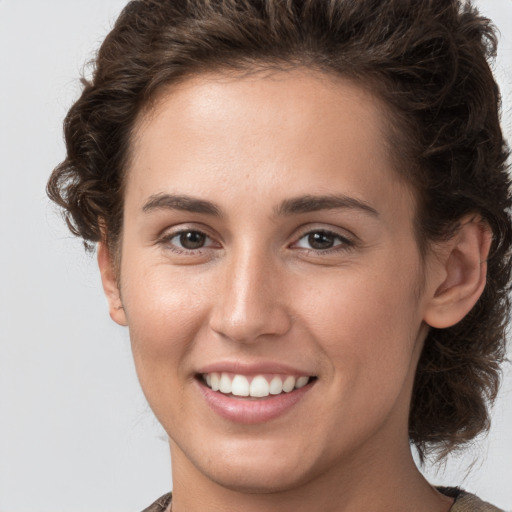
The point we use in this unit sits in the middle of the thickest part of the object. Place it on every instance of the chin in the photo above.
(257, 467)
(258, 480)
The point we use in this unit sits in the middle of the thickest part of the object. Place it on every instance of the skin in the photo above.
(354, 315)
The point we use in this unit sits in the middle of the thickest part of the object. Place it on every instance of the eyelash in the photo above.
(344, 243)
(167, 240)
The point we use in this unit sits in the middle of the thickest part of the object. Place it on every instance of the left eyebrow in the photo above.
(309, 203)
(183, 203)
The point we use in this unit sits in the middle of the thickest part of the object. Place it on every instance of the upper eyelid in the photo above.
(336, 231)
(326, 231)
(344, 241)
(172, 231)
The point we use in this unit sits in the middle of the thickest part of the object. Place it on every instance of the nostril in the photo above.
(248, 328)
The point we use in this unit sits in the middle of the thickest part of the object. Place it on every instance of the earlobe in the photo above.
(463, 269)
(110, 285)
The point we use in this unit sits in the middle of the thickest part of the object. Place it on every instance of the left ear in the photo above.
(460, 273)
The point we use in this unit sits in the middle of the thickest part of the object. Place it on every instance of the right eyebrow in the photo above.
(181, 202)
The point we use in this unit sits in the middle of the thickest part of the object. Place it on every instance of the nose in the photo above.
(251, 304)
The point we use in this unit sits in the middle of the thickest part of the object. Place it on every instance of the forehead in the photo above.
(283, 130)
(296, 102)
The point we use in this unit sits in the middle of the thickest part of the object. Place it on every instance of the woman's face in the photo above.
(269, 242)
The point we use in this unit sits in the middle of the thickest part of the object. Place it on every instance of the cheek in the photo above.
(367, 328)
(165, 313)
(367, 323)
(165, 310)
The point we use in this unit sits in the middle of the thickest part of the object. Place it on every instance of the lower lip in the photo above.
(251, 411)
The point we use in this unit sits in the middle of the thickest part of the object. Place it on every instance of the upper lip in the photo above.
(255, 368)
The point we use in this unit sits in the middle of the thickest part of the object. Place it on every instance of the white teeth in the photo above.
(240, 386)
(225, 383)
(215, 381)
(259, 387)
(289, 384)
(301, 382)
(276, 386)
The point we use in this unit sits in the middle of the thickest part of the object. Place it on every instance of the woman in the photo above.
(302, 213)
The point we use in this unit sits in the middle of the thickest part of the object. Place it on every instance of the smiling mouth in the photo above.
(256, 386)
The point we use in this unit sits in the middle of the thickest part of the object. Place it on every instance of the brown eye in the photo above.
(191, 240)
(190, 243)
(321, 240)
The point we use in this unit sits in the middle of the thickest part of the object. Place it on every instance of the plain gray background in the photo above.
(75, 432)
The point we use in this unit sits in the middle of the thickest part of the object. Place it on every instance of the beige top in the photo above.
(464, 502)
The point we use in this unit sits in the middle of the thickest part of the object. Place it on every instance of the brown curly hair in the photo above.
(426, 59)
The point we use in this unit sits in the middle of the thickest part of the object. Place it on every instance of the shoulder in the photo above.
(467, 502)
(161, 504)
